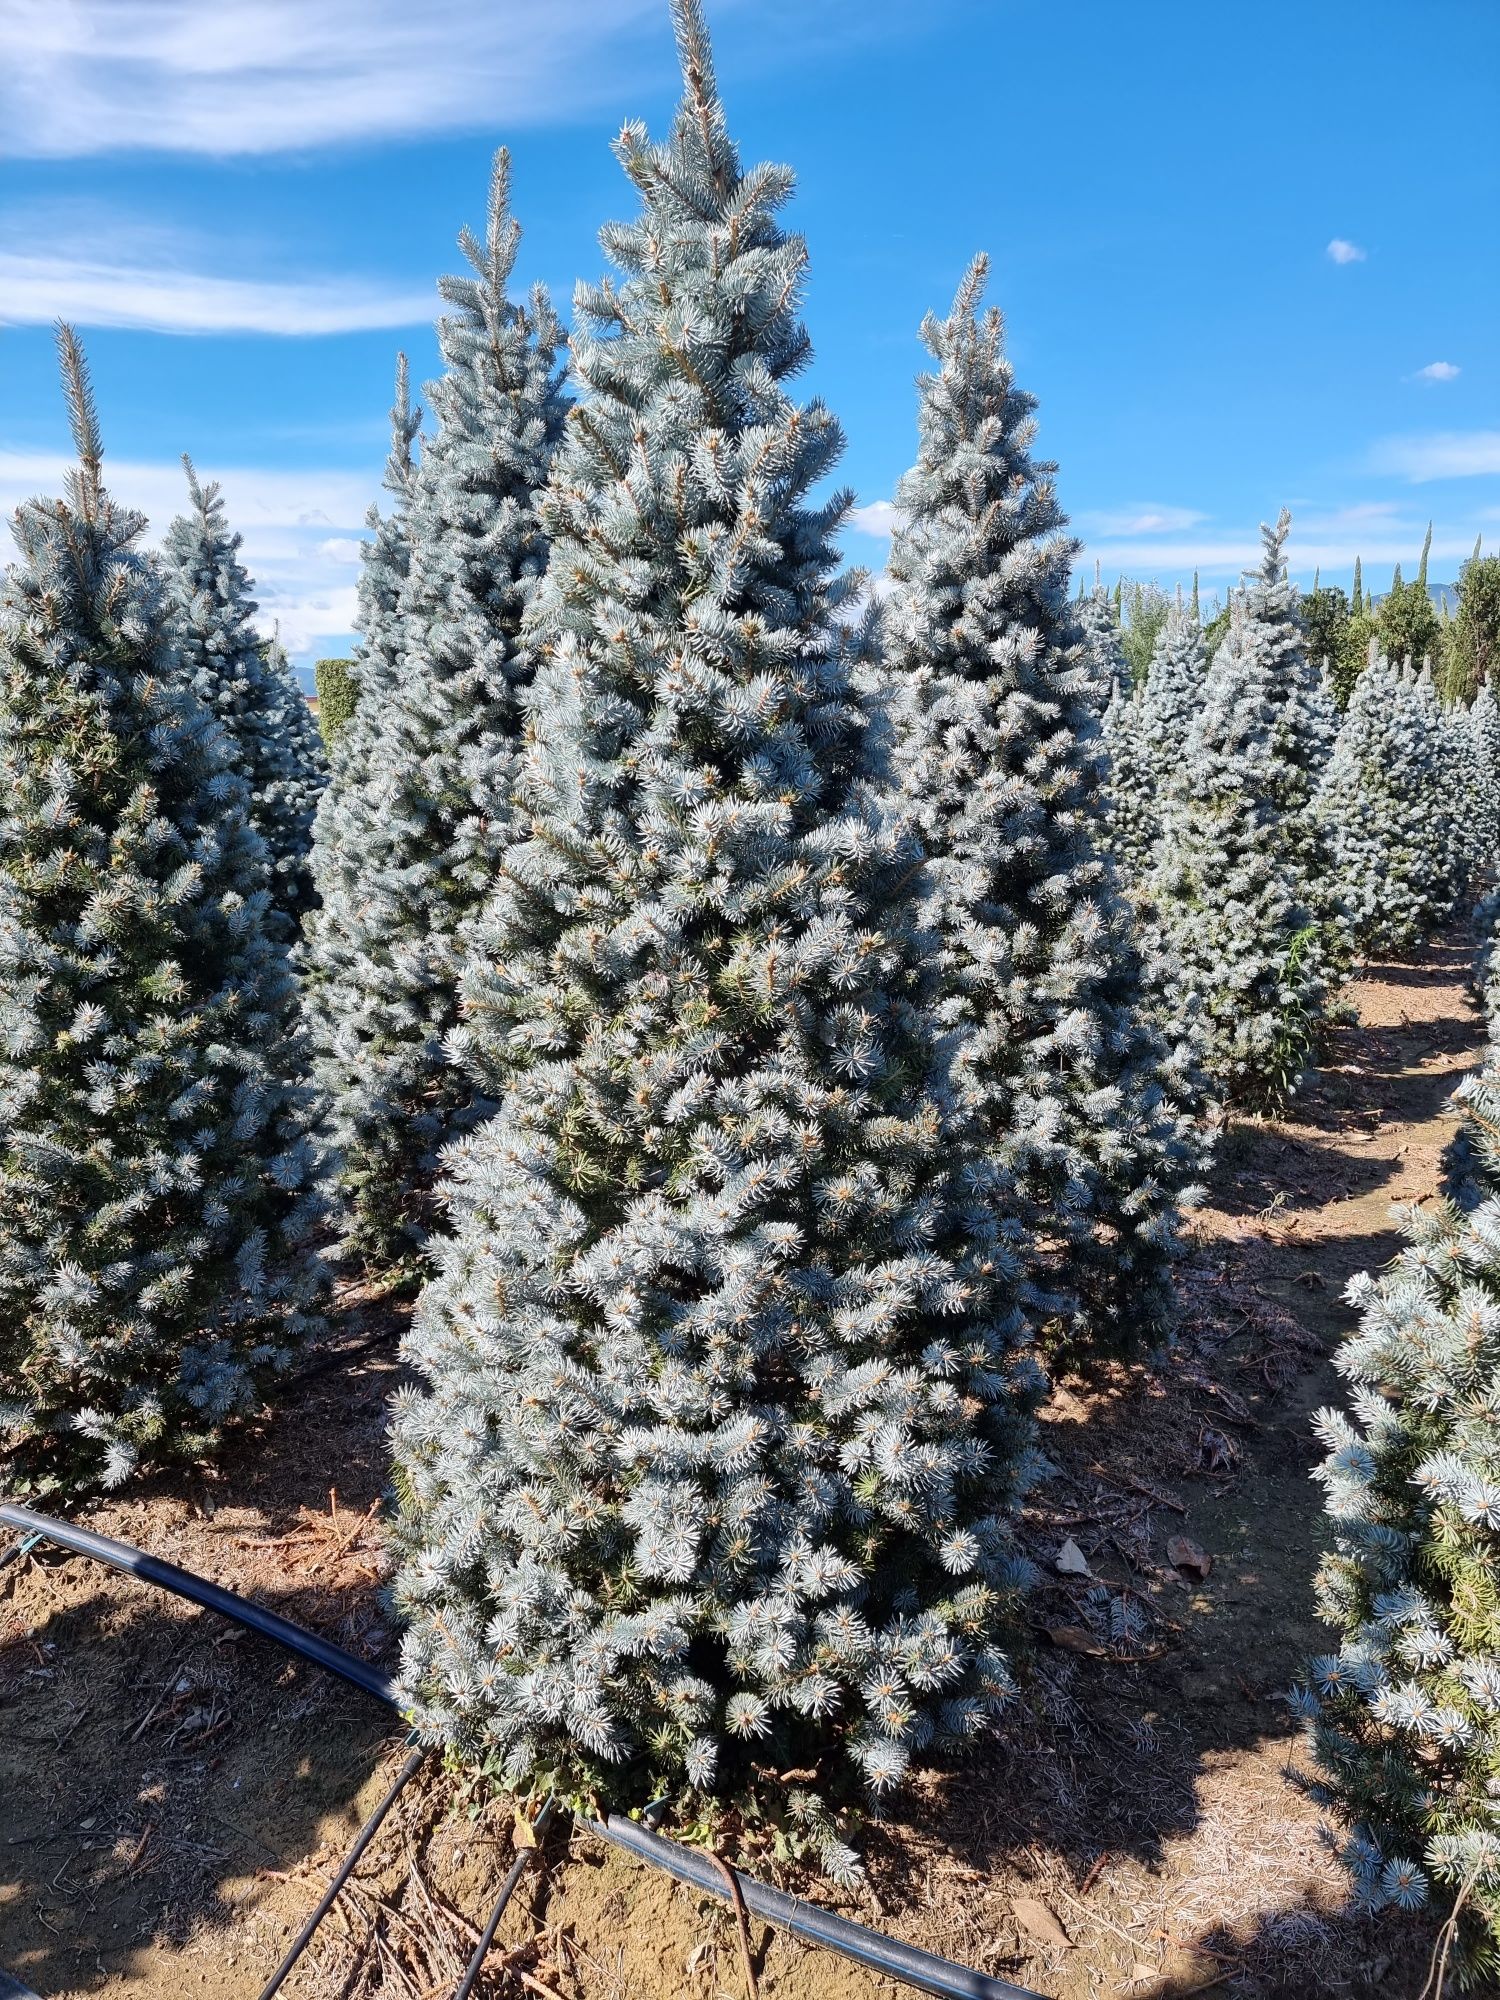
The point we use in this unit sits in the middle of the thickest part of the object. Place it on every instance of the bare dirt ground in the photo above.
(173, 1796)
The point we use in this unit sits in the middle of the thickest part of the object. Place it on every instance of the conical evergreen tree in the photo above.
(1406, 1715)
(418, 818)
(308, 748)
(1130, 817)
(384, 563)
(724, 1420)
(1170, 701)
(1146, 739)
(1245, 929)
(1382, 799)
(1001, 770)
(1103, 657)
(247, 683)
(157, 1185)
(1484, 722)
(1457, 846)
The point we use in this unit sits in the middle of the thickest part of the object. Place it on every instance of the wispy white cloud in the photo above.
(301, 563)
(1439, 455)
(1438, 371)
(38, 286)
(1144, 519)
(1323, 545)
(878, 518)
(263, 76)
(1342, 251)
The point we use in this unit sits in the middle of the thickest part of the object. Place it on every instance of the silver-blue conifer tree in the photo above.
(1383, 796)
(418, 814)
(158, 1188)
(1105, 673)
(724, 1412)
(1247, 933)
(246, 681)
(1405, 1716)
(1001, 765)
(1146, 738)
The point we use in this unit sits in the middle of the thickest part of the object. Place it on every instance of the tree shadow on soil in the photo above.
(159, 1767)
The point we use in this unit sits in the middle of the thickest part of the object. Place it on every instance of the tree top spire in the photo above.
(1273, 558)
(83, 416)
(702, 108)
(495, 259)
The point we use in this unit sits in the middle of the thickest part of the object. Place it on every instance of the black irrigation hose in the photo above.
(198, 1590)
(921, 1969)
(351, 1861)
(513, 1875)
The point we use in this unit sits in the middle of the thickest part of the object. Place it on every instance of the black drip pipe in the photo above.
(514, 1873)
(921, 1969)
(350, 1862)
(198, 1590)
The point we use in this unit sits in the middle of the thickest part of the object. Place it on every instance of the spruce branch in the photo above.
(83, 415)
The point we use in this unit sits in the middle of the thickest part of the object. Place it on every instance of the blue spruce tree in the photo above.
(1146, 738)
(247, 683)
(725, 1414)
(384, 563)
(157, 1183)
(1405, 1716)
(1130, 818)
(1001, 767)
(417, 818)
(1105, 673)
(1383, 797)
(1246, 924)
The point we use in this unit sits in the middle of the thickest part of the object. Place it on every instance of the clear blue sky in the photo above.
(1248, 255)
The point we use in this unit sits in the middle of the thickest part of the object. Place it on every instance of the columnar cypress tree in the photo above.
(1244, 925)
(724, 1419)
(338, 697)
(247, 683)
(1001, 766)
(418, 817)
(1406, 1715)
(1382, 800)
(157, 1185)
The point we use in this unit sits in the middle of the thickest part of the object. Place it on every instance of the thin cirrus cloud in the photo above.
(1228, 556)
(1380, 532)
(1141, 520)
(267, 76)
(1342, 251)
(1440, 455)
(39, 286)
(304, 568)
